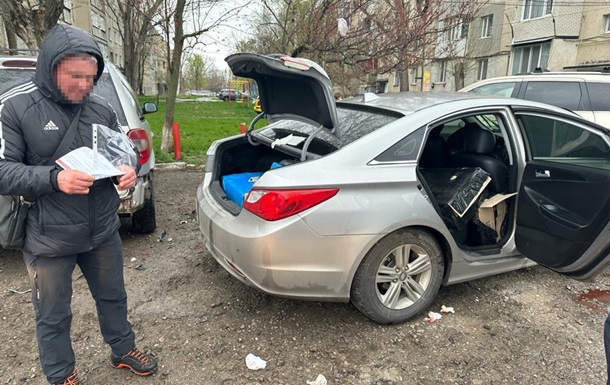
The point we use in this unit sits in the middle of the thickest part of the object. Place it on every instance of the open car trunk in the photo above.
(237, 166)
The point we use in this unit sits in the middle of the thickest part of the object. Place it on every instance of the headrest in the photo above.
(479, 140)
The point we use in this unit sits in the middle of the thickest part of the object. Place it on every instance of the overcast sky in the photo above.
(219, 42)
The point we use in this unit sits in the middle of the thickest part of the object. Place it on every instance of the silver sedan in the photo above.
(381, 199)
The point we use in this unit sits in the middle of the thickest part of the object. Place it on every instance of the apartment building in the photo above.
(98, 18)
(510, 37)
(593, 53)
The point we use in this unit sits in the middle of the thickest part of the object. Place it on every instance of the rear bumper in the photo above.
(284, 258)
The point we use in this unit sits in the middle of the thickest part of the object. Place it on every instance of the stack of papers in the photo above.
(86, 160)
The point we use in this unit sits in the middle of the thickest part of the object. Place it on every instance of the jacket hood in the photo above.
(63, 40)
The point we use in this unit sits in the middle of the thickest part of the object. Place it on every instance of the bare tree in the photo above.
(201, 16)
(31, 19)
(384, 35)
(138, 19)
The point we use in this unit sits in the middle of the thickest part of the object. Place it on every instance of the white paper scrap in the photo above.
(447, 309)
(255, 363)
(320, 380)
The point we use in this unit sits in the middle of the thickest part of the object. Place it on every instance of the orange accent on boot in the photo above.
(72, 379)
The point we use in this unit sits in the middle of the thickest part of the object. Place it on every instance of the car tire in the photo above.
(390, 294)
(226, 98)
(143, 221)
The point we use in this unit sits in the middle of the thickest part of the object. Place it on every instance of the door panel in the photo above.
(563, 208)
(558, 215)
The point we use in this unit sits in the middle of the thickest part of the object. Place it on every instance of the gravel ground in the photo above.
(524, 327)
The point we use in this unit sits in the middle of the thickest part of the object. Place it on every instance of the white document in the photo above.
(86, 160)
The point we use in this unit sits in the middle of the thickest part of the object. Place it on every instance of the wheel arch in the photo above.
(437, 235)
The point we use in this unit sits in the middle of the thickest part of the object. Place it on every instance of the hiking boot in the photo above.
(136, 361)
(72, 379)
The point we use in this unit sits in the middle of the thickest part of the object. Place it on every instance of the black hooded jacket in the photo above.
(33, 119)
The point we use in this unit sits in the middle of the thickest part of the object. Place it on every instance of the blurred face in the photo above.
(74, 76)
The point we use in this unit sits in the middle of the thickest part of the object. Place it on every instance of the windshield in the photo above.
(354, 124)
(11, 77)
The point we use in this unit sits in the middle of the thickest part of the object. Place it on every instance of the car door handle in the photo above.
(543, 174)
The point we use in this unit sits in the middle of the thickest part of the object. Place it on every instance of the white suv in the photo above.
(137, 203)
(585, 93)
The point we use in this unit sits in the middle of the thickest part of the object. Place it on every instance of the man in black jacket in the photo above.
(74, 218)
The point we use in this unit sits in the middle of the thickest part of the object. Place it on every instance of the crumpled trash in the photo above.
(255, 363)
(447, 309)
(432, 316)
(320, 380)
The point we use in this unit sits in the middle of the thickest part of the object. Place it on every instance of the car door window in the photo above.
(560, 94)
(502, 89)
(600, 96)
(557, 140)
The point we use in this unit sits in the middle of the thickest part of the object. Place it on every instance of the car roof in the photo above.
(17, 58)
(409, 102)
(543, 76)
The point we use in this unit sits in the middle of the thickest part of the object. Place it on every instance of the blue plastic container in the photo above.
(236, 186)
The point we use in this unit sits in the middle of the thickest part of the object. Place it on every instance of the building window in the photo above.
(606, 23)
(455, 29)
(486, 25)
(396, 82)
(536, 8)
(442, 72)
(414, 76)
(526, 59)
(482, 69)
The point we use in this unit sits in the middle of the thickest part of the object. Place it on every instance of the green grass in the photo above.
(200, 123)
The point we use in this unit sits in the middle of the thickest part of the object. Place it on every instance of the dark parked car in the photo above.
(227, 94)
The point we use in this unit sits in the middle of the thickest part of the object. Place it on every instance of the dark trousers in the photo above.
(51, 280)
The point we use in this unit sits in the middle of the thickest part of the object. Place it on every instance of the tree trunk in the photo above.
(459, 72)
(174, 77)
(11, 38)
(403, 77)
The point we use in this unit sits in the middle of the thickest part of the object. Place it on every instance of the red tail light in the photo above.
(139, 137)
(272, 205)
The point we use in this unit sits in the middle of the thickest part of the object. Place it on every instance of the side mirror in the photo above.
(149, 107)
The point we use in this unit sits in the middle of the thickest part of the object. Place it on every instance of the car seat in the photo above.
(436, 151)
(478, 152)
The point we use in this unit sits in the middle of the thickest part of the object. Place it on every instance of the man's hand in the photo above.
(74, 182)
(127, 180)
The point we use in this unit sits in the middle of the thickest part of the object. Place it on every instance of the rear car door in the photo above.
(563, 209)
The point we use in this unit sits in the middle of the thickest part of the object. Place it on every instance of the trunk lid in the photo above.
(290, 88)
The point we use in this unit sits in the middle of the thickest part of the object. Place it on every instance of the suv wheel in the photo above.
(143, 220)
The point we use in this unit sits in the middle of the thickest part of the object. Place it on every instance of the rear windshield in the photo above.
(11, 77)
(353, 124)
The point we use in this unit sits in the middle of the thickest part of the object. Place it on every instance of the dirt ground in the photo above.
(524, 327)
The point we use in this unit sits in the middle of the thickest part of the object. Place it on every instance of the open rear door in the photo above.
(563, 209)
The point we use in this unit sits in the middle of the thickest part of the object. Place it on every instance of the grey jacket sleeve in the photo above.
(16, 177)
